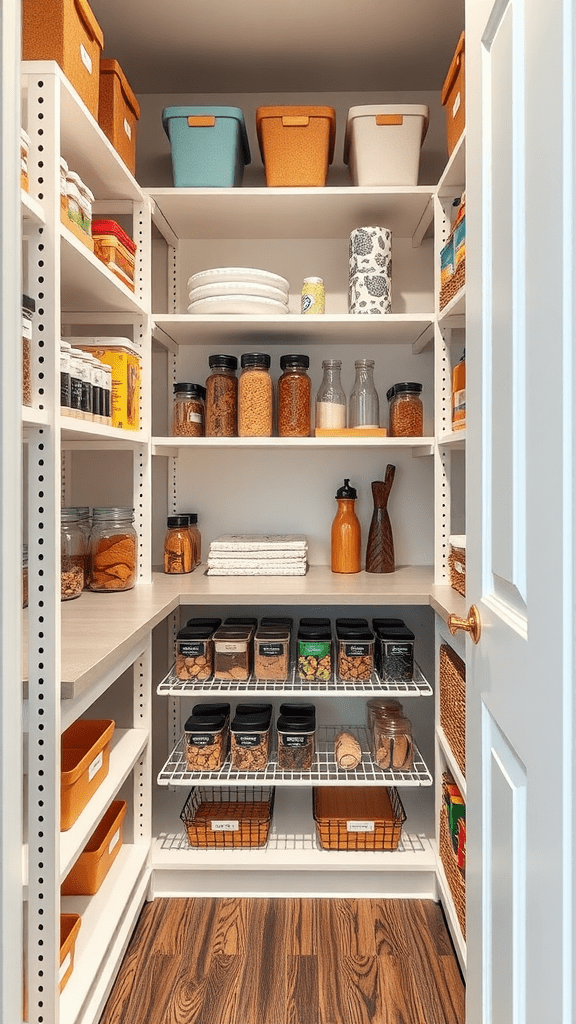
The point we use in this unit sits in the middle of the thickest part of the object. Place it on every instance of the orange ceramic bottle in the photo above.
(345, 546)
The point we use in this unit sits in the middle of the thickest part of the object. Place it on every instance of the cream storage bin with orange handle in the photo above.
(118, 111)
(383, 142)
(296, 143)
(85, 762)
(66, 31)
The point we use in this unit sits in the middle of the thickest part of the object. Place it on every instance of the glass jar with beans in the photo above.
(294, 387)
(406, 412)
(255, 396)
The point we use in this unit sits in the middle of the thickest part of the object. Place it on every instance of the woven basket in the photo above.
(457, 568)
(451, 287)
(341, 811)
(227, 817)
(454, 875)
(453, 703)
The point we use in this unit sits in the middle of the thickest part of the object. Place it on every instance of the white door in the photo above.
(520, 517)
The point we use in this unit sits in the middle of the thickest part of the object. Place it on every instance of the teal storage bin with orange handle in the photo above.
(209, 146)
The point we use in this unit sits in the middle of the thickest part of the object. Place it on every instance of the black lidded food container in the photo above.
(395, 653)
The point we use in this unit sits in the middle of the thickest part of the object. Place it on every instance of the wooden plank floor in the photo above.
(288, 961)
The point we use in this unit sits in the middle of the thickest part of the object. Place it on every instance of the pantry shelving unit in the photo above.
(95, 655)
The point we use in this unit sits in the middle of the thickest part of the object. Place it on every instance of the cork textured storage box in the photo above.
(296, 143)
(85, 761)
(383, 142)
(66, 31)
(209, 146)
(98, 855)
(118, 111)
(453, 97)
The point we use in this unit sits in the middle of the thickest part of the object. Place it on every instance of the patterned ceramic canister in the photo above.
(370, 280)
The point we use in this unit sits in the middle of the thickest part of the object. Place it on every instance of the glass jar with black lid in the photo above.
(188, 410)
(221, 413)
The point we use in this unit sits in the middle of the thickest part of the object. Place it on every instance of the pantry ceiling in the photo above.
(223, 46)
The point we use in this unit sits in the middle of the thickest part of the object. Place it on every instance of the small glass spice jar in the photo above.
(72, 555)
(28, 309)
(294, 387)
(178, 547)
(113, 549)
(221, 415)
(255, 396)
(188, 411)
(406, 412)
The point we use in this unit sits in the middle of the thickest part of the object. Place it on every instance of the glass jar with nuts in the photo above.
(255, 396)
(406, 412)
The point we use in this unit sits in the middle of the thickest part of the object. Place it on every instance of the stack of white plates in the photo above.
(238, 290)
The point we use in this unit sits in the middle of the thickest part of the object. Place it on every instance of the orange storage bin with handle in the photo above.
(66, 31)
(98, 855)
(69, 928)
(453, 97)
(118, 111)
(85, 762)
(296, 143)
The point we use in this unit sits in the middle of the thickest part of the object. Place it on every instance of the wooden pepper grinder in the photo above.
(380, 546)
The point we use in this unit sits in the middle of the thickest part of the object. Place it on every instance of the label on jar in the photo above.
(75, 393)
(295, 739)
(26, 327)
(65, 389)
(225, 826)
(193, 417)
(200, 739)
(393, 650)
(359, 826)
(230, 646)
(271, 650)
(313, 648)
(248, 739)
(357, 649)
(191, 649)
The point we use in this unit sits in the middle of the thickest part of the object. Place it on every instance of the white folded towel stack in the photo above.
(258, 555)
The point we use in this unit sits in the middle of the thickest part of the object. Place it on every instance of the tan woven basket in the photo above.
(451, 287)
(342, 813)
(453, 703)
(457, 568)
(227, 817)
(454, 875)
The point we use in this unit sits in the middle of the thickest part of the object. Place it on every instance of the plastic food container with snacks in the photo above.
(314, 650)
(241, 620)
(68, 33)
(296, 143)
(118, 111)
(250, 740)
(233, 652)
(205, 742)
(355, 653)
(208, 621)
(296, 742)
(98, 855)
(123, 358)
(226, 817)
(210, 709)
(115, 249)
(85, 760)
(383, 142)
(194, 653)
(272, 653)
(209, 145)
(395, 653)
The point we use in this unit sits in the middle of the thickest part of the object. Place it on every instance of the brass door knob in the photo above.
(470, 625)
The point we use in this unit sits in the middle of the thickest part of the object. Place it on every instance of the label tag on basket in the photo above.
(113, 841)
(95, 766)
(127, 129)
(86, 58)
(359, 826)
(456, 106)
(64, 966)
(225, 826)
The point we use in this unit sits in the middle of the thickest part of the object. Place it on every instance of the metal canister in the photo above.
(313, 296)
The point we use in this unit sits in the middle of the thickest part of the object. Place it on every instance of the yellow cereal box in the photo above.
(124, 359)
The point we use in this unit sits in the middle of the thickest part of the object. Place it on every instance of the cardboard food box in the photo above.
(123, 357)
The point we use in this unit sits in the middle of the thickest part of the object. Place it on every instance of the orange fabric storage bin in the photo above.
(453, 97)
(98, 855)
(85, 761)
(66, 31)
(69, 928)
(296, 143)
(118, 111)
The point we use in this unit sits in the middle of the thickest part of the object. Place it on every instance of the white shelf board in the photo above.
(103, 915)
(325, 328)
(32, 212)
(456, 440)
(34, 417)
(83, 144)
(203, 213)
(453, 178)
(324, 771)
(87, 284)
(171, 445)
(125, 749)
(174, 687)
(98, 434)
(451, 761)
